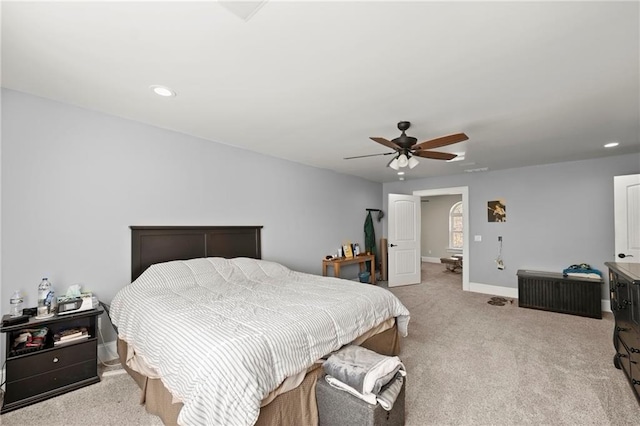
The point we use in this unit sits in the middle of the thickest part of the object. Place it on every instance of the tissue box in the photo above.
(338, 408)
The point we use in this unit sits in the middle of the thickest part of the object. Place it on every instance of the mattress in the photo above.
(224, 333)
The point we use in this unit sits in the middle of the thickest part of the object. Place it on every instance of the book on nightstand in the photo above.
(70, 335)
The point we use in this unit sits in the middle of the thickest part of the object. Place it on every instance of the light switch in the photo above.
(477, 238)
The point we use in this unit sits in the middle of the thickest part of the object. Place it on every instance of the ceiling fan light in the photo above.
(403, 161)
(394, 164)
(413, 162)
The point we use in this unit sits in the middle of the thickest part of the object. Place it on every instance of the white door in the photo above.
(404, 239)
(627, 217)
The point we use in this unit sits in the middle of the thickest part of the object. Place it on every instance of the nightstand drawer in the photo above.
(52, 359)
(39, 384)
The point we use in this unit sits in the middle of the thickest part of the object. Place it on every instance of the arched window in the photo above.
(456, 237)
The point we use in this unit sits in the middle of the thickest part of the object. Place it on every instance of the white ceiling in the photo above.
(529, 83)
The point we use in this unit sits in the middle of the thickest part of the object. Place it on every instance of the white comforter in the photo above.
(224, 333)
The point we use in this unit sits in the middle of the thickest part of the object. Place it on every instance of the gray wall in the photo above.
(557, 215)
(435, 225)
(74, 180)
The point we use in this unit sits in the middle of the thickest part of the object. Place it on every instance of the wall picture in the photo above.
(497, 211)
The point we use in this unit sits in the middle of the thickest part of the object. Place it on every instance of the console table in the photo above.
(361, 259)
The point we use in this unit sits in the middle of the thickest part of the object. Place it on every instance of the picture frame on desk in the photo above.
(348, 251)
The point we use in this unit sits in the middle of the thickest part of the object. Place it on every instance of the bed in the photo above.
(215, 335)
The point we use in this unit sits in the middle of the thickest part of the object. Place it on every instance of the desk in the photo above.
(360, 259)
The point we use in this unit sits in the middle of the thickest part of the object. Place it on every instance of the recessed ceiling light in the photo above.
(401, 177)
(400, 173)
(162, 91)
(479, 169)
(611, 144)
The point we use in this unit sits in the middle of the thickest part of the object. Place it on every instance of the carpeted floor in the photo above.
(469, 363)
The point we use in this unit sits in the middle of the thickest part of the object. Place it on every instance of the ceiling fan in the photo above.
(406, 149)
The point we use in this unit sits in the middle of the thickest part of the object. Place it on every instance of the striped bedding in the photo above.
(223, 333)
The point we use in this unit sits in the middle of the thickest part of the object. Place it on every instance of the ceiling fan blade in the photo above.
(370, 155)
(443, 141)
(435, 155)
(385, 142)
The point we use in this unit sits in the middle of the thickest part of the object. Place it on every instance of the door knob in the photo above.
(622, 255)
(393, 245)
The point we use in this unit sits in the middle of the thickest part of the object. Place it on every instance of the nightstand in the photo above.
(36, 374)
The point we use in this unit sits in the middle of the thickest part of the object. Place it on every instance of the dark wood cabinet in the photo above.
(552, 291)
(624, 285)
(42, 373)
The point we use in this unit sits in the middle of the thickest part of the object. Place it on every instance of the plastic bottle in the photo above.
(45, 295)
(16, 304)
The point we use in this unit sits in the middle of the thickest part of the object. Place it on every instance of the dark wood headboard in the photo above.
(155, 244)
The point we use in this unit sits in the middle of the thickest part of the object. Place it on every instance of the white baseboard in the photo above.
(606, 305)
(494, 290)
(430, 259)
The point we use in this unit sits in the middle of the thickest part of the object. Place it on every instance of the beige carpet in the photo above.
(468, 362)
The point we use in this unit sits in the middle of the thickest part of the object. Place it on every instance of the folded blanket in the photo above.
(390, 392)
(362, 369)
(369, 397)
(386, 398)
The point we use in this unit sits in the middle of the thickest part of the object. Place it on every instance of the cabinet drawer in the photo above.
(49, 381)
(50, 359)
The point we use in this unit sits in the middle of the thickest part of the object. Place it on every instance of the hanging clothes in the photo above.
(369, 238)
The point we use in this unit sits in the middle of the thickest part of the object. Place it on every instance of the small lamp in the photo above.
(394, 164)
(403, 161)
(413, 162)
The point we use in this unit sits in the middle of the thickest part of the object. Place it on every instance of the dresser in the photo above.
(624, 285)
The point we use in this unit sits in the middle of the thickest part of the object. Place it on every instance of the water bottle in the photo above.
(45, 296)
(16, 304)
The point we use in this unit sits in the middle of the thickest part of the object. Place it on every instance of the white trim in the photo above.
(430, 259)
(494, 290)
(605, 305)
(464, 192)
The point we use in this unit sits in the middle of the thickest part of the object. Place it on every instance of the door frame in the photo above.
(464, 192)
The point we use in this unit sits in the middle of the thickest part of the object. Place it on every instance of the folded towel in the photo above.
(362, 369)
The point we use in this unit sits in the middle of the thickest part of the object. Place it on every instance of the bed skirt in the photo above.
(295, 407)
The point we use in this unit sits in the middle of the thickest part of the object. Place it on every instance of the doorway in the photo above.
(464, 192)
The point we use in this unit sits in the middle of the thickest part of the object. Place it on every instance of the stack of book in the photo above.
(70, 335)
